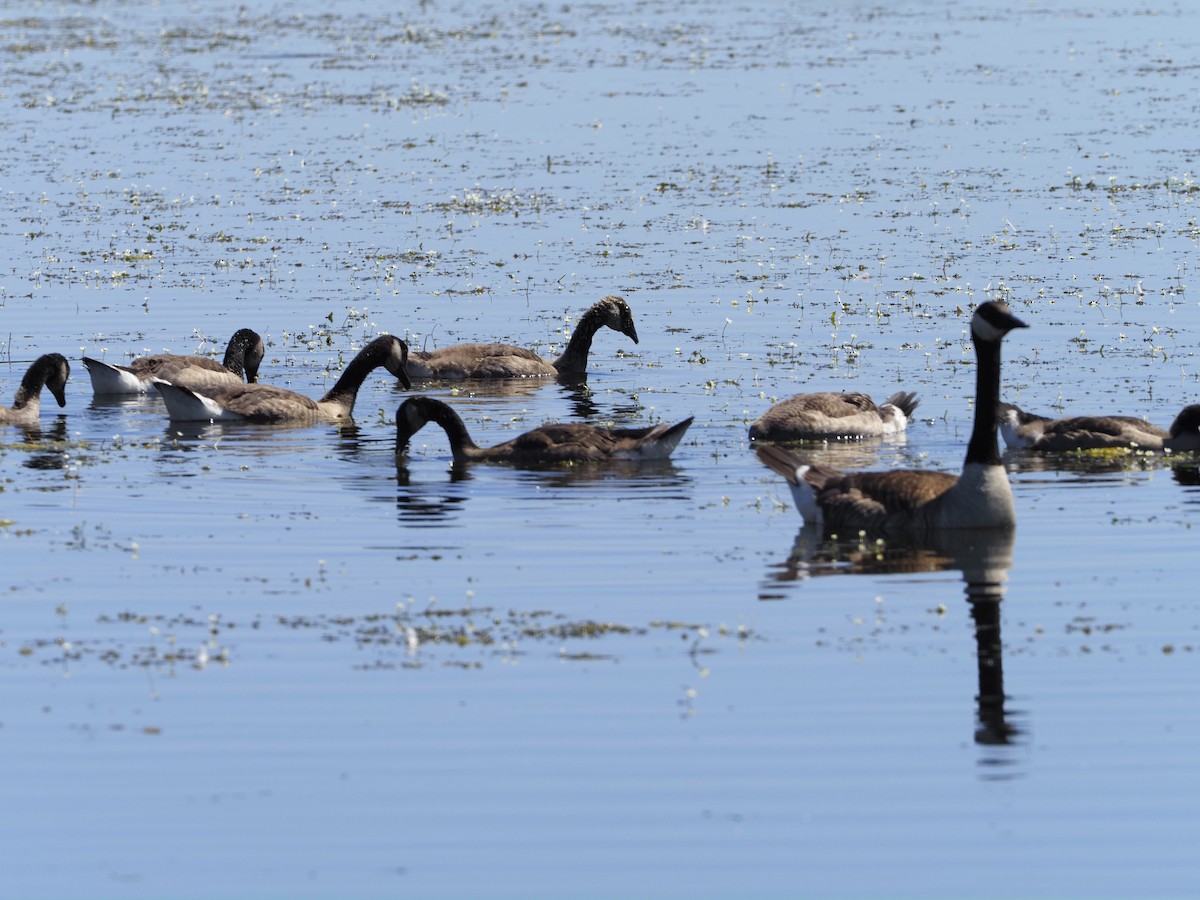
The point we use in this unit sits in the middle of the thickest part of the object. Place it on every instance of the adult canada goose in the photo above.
(828, 416)
(553, 443)
(484, 360)
(242, 359)
(266, 403)
(50, 370)
(908, 501)
(1028, 431)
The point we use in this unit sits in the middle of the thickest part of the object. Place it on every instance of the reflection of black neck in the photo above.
(993, 727)
(575, 387)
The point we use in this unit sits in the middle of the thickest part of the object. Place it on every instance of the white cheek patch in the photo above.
(985, 330)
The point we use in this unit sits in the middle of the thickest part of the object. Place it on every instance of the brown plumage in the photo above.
(909, 501)
(51, 371)
(830, 416)
(493, 360)
(243, 356)
(267, 403)
(547, 445)
(1028, 431)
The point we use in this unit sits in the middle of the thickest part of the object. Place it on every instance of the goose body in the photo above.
(548, 444)
(830, 416)
(908, 501)
(267, 403)
(490, 360)
(50, 371)
(1027, 431)
(243, 356)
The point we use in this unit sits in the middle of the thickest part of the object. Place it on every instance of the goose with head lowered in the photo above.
(270, 404)
(51, 371)
(570, 442)
(1028, 431)
(243, 356)
(832, 417)
(914, 502)
(490, 360)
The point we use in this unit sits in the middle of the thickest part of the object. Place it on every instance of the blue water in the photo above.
(246, 661)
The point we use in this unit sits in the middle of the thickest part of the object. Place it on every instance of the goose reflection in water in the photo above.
(983, 555)
(431, 503)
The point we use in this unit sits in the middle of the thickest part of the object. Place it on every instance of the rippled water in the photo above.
(257, 661)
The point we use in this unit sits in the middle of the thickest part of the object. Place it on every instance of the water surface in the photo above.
(255, 661)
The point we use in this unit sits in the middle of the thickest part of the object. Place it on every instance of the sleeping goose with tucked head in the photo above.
(242, 359)
(830, 417)
(907, 501)
(554, 443)
(50, 371)
(266, 403)
(483, 360)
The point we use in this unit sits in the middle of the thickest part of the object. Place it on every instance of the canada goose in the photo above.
(912, 501)
(1027, 431)
(50, 370)
(829, 416)
(1185, 431)
(266, 403)
(553, 443)
(242, 357)
(484, 360)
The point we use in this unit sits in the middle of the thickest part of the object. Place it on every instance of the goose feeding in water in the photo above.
(548, 444)
(830, 416)
(493, 360)
(270, 404)
(908, 501)
(51, 371)
(243, 356)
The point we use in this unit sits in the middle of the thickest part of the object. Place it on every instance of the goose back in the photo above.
(243, 356)
(550, 444)
(1028, 431)
(496, 360)
(833, 416)
(271, 404)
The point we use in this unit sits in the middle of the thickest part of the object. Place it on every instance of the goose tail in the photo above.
(110, 379)
(184, 405)
(662, 440)
(803, 479)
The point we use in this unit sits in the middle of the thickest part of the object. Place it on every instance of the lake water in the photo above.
(245, 661)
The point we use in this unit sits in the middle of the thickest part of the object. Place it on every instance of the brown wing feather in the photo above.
(1099, 432)
(872, 500)
(558, 443)
(262, 400)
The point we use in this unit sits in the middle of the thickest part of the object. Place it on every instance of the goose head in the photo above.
(395, 356)
(618, 316)
(247, 344)
(417, 412)
(56, 378)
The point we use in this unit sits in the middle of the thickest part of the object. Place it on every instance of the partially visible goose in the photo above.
(1185, 431)
(266, 403)
(484, 360)
(828, 416)
(1027, 431)
(908, 501)
(50, 370)
(554, 443)
(242, 359)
